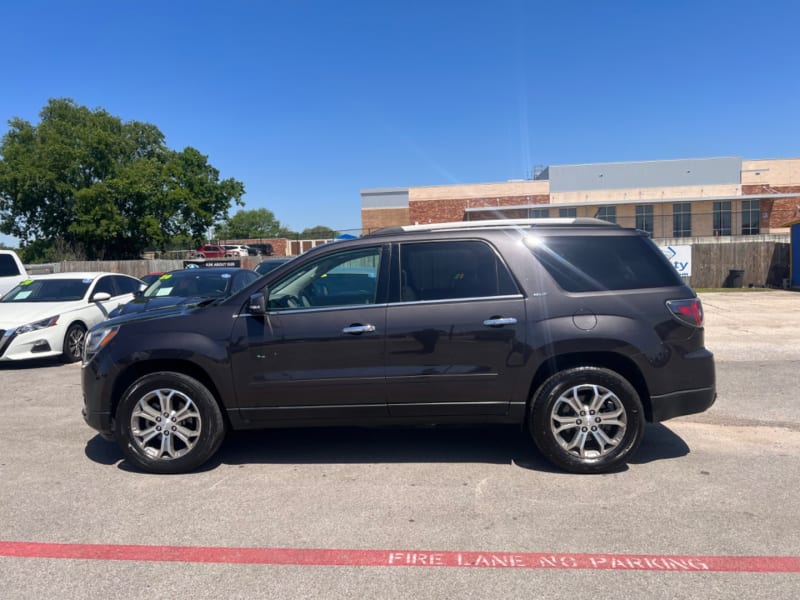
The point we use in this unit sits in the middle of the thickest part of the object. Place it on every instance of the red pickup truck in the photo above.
(210, 251)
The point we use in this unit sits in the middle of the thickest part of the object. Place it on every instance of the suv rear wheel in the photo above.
(168, 423)
(587, 420)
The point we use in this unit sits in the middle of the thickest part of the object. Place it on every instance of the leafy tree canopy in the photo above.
(246, 224)
(318, 232)
(85, 179)
(261, 223)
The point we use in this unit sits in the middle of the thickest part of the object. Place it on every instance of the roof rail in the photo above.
(485, 223)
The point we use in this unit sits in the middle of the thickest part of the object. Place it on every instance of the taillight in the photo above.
(689, 311)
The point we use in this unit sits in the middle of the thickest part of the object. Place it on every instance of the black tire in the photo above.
(72, 350)
(194, 425)
(587, 420)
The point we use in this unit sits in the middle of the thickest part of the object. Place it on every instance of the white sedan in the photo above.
(48, 315)
(236, 249)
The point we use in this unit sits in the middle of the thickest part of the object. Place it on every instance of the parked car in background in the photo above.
(210, 251)
(263, 249)
(236, 249)
(269, 264)
(188, 287)
(577, 330)
(48, 315)
(12, 271)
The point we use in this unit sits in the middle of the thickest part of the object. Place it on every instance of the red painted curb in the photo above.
(402, 558)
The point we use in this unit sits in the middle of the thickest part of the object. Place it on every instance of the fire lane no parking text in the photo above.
(400, 558)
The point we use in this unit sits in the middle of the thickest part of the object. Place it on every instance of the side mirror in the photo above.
(101, 297)
(257, 303)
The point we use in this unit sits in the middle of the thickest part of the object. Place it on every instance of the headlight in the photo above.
(43, 324)
(96, 340)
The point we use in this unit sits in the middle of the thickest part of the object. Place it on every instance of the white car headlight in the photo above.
(43, 324)
(96, 341)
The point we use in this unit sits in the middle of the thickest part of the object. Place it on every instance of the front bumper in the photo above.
(96, 404)
(100, 421)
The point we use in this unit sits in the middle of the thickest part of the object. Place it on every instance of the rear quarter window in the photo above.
(8, 266)
(602, 263)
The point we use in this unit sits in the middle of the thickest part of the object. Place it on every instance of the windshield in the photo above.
(48, 290)
(190, 283)
(268, 265)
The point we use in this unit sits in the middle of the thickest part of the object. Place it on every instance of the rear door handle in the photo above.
(358, 329)
(500, 321)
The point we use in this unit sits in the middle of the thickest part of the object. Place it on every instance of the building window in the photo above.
(722, 218)
(538, 213)
(644, 218)
(607, 213)
(568, 213)
(751, 217)
(682, 220)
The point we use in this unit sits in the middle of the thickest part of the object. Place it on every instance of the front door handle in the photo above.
(500, 321)
(359, 329)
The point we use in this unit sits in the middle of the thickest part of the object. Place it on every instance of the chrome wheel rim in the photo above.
(165, 424)
(75, 339)
(588, 421)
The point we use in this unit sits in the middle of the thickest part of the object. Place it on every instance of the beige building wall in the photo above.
(376, 218)
(702, 219)
(479, 190)
(773, 172)
(646, 194)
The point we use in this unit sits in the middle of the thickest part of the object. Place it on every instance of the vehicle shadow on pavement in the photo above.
(435, 444)
(102, 451)
(350, 445)
(659, 443)
(32, 363)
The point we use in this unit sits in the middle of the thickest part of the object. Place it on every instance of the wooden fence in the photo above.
(738, 263)
(714, 264)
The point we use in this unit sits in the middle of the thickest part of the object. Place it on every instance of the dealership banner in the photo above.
(680, 257)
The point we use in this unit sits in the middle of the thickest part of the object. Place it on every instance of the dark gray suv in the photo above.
(576, 329)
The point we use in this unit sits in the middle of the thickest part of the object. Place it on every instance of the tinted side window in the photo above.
(597, 263)
(125, 285)
(8, 266)
(104, 285)
(341, 279)
(446, 270)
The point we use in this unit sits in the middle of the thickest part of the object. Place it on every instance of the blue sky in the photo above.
(307, 102)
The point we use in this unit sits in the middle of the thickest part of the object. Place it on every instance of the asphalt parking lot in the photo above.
(707, 509)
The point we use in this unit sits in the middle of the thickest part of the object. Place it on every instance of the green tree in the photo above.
(84, 179)
(246, 224)
(318, 232)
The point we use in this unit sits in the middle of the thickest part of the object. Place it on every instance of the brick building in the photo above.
(687, 198)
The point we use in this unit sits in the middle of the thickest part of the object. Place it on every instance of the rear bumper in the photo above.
(686, 402)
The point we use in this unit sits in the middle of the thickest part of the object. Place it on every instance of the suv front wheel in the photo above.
(168, 423)
(587, 419)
